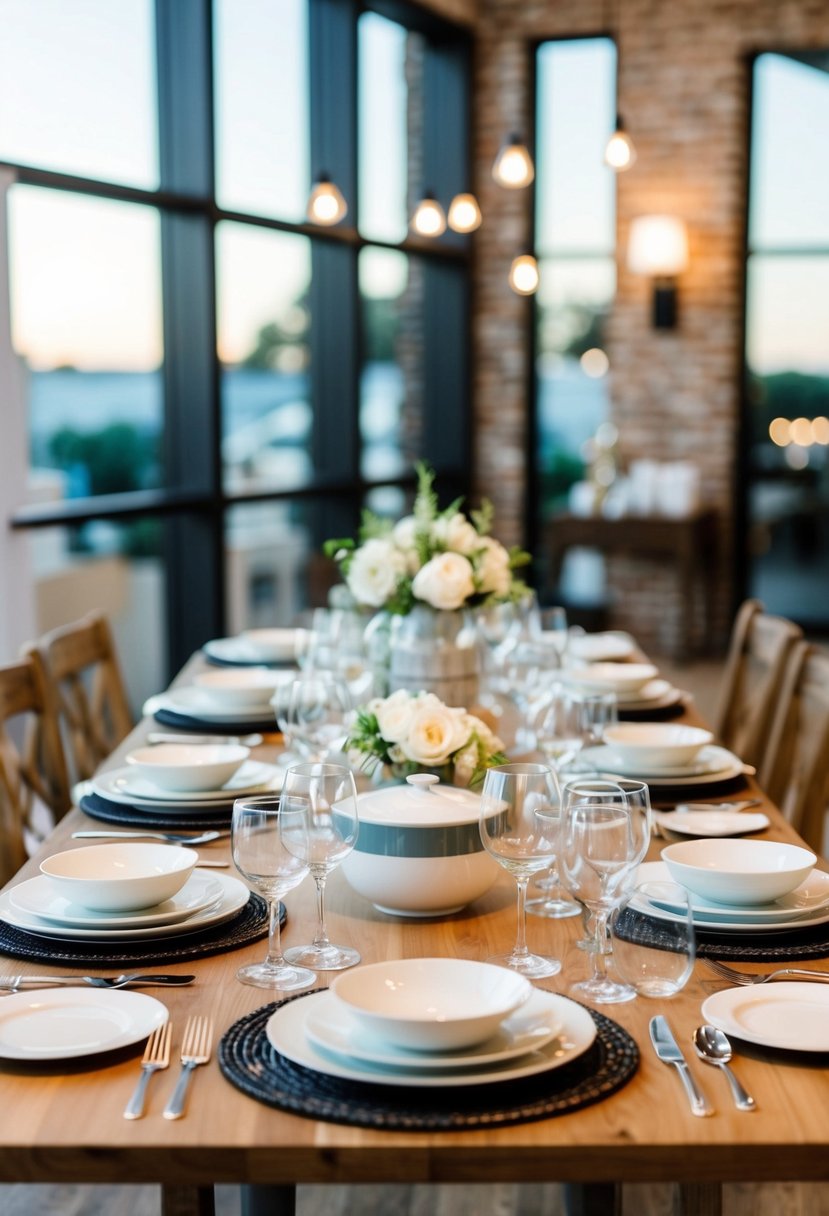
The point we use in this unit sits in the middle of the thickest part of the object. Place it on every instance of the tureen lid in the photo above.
(421, 801)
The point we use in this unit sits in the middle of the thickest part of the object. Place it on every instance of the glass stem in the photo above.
(520, 948)
(321, 938)
(599, 954)
(274, 958)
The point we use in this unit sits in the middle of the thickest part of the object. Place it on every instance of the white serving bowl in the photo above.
(431, 1004)
(656, 744)
(188, 767)
(273, 645)
(232, 688)
(611, 677)
(120, 877)
(738, 872)
(419, 850)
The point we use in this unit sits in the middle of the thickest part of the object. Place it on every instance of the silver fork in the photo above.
(747, 978)
(156, 1056)
(195, 1050)
(173, 837)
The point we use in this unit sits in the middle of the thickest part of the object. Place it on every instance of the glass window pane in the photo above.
(262, 139)
(575, 191)
(388, 58)
(86, 323)
(787, 314)
(263, 279)
(789, 204)
(78, 88)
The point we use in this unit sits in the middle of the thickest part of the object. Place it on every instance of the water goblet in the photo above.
(519, 820)
(318, 826)
(312, 713)
(654, 968)
(270, 870)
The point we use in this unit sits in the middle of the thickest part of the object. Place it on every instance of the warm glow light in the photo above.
(801, 432)
(513, 166)
(429, 219)
(523, 275)
(595, 363)
(820, 430)
(780, 432)
(657, 245)
(464, 213)
(326, 204)
(620, 154)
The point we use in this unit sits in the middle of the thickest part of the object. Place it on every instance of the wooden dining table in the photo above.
(62, 1122)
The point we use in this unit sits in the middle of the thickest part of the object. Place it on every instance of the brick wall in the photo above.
(683, 78)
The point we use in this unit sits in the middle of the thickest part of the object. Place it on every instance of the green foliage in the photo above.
(117, 458)
(483, 517)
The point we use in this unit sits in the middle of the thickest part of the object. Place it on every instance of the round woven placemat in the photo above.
(248, 1060)
(169, 717)
(155, 817)
(247, 926)
(789, 946)
(661, 714)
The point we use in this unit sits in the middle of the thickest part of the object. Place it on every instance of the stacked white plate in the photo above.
(206, 899)
(275, 646)
(806, 905)
(711, 764)
(608, 647)
(128, 787)
(195, 703)
(319, 1033)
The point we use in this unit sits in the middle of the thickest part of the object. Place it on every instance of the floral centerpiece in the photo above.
(409, 732)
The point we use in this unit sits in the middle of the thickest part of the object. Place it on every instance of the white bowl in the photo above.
(419, 850)
(656, 744)
(273, 645)
(432, 1004)
(611, 677)
(189, 767)
(233, 688)
(738, 872)
(120, 877)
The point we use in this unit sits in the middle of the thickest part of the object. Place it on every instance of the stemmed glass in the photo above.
(519, 820)
(318, 826)
(271, 871)
(311, 712)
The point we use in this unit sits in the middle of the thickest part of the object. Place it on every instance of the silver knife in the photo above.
(668, 1050)
(253, 740)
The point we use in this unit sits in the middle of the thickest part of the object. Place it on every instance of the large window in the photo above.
(213, 384)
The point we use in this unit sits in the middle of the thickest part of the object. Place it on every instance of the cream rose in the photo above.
(457, 534)
(435, 732)
(492, 567)
(445, 581)
(374, 571)
(394, 715)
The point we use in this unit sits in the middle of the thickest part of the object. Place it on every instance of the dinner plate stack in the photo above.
(710, 766)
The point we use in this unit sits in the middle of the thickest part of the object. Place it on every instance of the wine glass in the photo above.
(312, 713)
(272, 871)
(318, 826)
(519, 820)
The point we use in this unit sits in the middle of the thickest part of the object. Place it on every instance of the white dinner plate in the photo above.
(711, 823)
(126, 786)
(38, 897)
(712, 764)
(241, 650)
(600, 647)
(790, 1015)
(232, 897)
(656, 694)
(62, 1023)
(194, 704)
(286, 1032)
(537, 1022)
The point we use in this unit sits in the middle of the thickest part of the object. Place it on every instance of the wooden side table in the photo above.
(689, 543)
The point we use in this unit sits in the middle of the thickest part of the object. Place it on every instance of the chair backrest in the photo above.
(757, 655)
(795, 771)
(82, 667)
(32, 766)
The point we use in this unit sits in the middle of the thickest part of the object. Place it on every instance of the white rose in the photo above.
(435, 732)
(488, 738)
(394, 716)
(445, 581)
(465, 762)
(492, 567)
(457, 534)
(374, 571)
(404, 535)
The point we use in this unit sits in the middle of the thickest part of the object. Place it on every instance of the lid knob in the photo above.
(423, 782)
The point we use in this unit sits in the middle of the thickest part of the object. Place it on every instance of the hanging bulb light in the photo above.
(620, 154)
(429, 218)
(326, 204)
(513, 166)
(523, 275)
(464, 213)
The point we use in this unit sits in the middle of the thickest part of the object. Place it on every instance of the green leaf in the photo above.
(483, 517)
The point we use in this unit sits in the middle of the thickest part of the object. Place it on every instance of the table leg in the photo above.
(187, 1200)
(698, 1199)
(268, 1200)
(593, 1199)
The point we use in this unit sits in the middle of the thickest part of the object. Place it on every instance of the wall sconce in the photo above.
(658, 247)
(513, 167)
(326, 204)
(429, 218)
(464, 213)
(523, 275)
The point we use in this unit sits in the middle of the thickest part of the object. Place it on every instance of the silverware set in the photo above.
(196, 1046)
(14, 983)
(713, 1047)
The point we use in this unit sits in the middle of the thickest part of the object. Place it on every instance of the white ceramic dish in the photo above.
(738, 872)
(655, 746)
(37, 897)
(192, 703)
(188, 767)
(789, 1016)
(610, 677)
(431, 1004)
(120, 877)
(234, 895)
(600, 647)
(711, 823)
(274, 645)
(64, 1023)
(656, 694)
(811, 896)
(231, 688)
(286, 1033)
(714, 764)
(124, 786)
(331, 1027)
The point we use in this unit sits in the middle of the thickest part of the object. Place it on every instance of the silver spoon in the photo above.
(713, 1047)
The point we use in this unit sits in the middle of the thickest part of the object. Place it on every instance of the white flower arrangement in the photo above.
(413, 731)
(439, 558)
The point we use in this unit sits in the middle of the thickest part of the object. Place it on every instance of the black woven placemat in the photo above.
(660, 714)
(213, 726)
(250, 923)
(788, 946)
(249, 1062)
(129, 815)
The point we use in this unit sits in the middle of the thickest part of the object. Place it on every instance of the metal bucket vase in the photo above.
(434, 651)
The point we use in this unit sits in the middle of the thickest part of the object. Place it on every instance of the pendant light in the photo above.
(523, 275)
(326, 204)
(429, 218)
(513, 166)
(464, 213)
(619, 153)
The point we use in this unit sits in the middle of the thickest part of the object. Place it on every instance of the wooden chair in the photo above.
(795, 770)
(32, 765)
(758, 652)
(82, 666)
